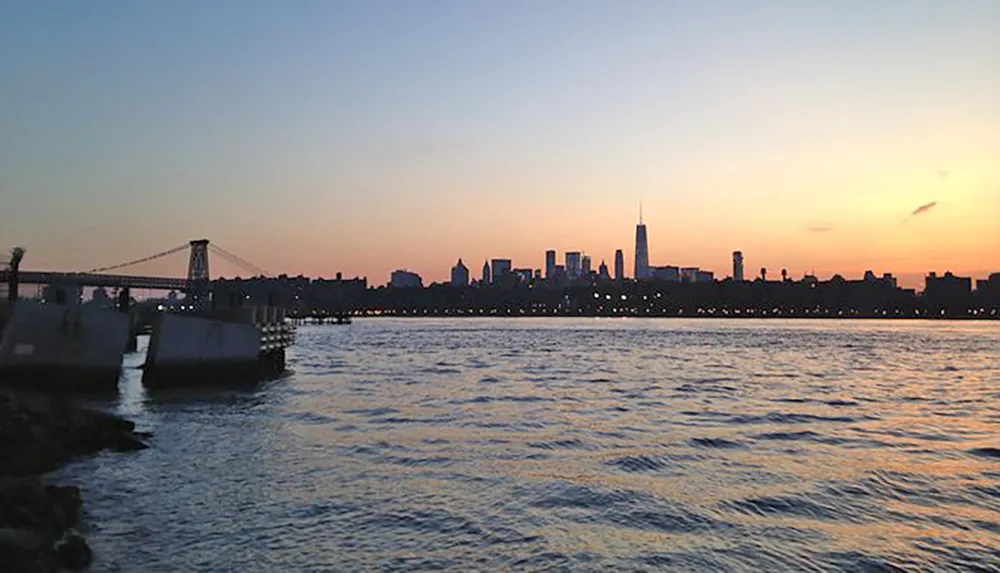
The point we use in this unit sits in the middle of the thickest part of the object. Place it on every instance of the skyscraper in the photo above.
(573, 263)
(550, 263)
(585, 266)
(500, 268)
(641, 249)
(602, 272)
(738, 266)
(619, 265)
(460, 274)
(487, 276)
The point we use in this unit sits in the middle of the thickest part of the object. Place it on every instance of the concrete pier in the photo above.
(228, 346)
(66, 348)
(6, 308)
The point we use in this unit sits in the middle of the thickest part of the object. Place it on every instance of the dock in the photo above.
(243, 344)
(62, 345)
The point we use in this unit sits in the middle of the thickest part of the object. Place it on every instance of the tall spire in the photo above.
(640, 212)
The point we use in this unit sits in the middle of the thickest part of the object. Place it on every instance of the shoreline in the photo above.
(40, 433)
(770, 317)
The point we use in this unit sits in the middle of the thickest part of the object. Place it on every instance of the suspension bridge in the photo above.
(197, 276)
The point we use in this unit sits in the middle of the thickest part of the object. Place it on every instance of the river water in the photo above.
(578, 445)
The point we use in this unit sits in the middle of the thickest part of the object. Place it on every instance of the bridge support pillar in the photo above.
(124, 299)
(199, 293)
(124, 304)
(14, 278)
(199, 279)
(13, 283)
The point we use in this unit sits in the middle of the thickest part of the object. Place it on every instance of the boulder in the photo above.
(65, 504)
(23, 550)
(38, 434)
(20, 540)
(72, 552)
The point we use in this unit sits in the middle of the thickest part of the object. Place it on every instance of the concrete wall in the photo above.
(5, 310)
(179, 339)
(55, 335)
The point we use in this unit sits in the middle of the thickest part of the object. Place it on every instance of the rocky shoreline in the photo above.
(38, 434)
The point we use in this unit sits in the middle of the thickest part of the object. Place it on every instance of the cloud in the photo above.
(923, 208)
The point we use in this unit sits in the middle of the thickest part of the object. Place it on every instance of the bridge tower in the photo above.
(198, 263)
(199, 281)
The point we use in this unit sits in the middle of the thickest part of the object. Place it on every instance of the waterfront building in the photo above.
(573, 264)
(460, 274)
(500, 268)
(405, 279)
(602, 272)
(641, 269)
(689, 274)
(665, 273)
(523, 275)
(738, 266)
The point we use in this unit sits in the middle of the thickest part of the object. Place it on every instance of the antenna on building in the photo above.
(640, 212)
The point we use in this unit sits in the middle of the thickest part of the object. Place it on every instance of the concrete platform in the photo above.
(63, 348)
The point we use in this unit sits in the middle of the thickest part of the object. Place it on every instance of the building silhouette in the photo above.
(689, 274)
(518, 293)
(460, 274)
(738, 266)
(641, 250)
(602, 272)
(500, 268)
(524, 276)
(550, 263)
(666, 273)
(487, 276)
(948, 294)
(573, 264)
(619, 265)
(405, 279)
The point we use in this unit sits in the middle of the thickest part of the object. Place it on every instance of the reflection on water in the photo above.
(573, 445)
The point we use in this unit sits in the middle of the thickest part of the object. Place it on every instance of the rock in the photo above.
(22, 550)
(126, 443)
(19, 539)
(38, 434)
(73, 553)
(22, 503)
(65, 503)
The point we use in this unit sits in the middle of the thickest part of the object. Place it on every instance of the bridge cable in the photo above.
(243, 263)
(142, 260)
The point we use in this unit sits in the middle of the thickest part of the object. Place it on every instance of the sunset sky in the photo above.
(322, 136)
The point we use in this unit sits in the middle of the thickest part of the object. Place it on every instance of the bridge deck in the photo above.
(97, 280)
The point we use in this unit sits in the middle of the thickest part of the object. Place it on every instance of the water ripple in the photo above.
(572, 445)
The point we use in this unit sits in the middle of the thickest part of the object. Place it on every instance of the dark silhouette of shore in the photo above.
(945, 296)
(38, 434)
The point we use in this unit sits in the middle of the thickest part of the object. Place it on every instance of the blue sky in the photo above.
(366, 136)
